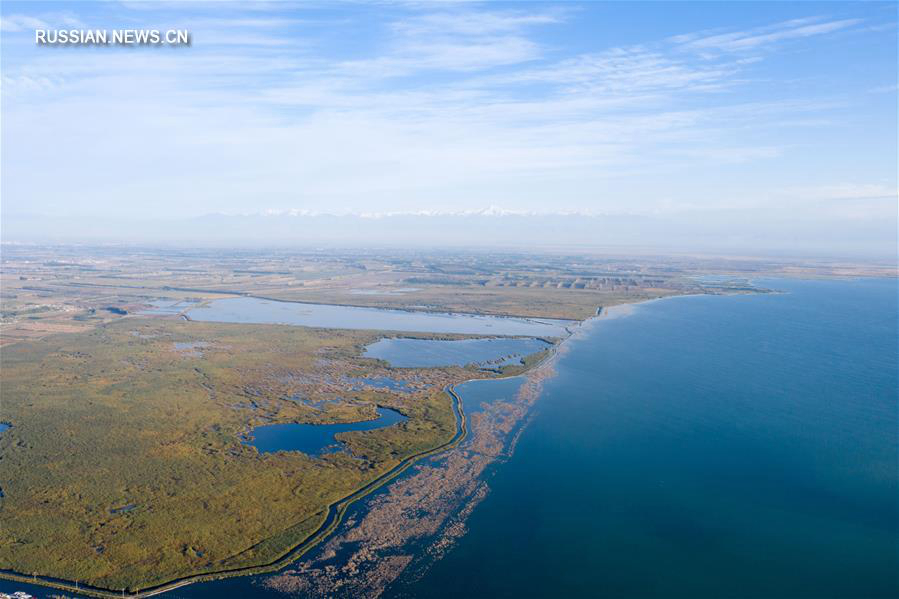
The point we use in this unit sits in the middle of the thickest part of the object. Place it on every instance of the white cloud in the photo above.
(746, 40)
(28, 23)
(13, 23)
(448, 112)
(465, 40)
(629, 72)
(441, 54)
(474, 23)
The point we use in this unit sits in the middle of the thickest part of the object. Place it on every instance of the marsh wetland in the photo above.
(212, 425)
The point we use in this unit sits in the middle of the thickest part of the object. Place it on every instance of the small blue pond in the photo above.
(419, 353)
(313, 439)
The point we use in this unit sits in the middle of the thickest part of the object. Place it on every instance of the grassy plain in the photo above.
(119, 417)
(124, 466)
(48, 290)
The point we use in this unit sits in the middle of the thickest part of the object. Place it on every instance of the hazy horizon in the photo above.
(765, 129)
(547, 233)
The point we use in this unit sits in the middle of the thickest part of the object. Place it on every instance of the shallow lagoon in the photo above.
(262, 311)
(313, 439)
(419, 353)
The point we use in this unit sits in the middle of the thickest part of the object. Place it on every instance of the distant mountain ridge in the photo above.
(490, 227)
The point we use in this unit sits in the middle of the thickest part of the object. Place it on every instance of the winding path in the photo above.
(335, 513)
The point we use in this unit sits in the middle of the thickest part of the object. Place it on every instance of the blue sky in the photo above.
(706, 110)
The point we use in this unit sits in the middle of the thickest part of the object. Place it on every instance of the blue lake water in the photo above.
(261, 311)
(418, 353)
(741, 446)
(476, 394)
(313, 439)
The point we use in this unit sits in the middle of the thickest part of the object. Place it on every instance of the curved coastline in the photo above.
(333, 516)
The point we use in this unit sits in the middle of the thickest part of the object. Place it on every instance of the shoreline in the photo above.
(334, 512)
(431, 503)
(334, 516)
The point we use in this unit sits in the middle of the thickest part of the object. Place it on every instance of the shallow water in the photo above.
(476, 394)
(741, 446)
(418, 353)
(166, 307)
(313, 439)
(124, 509)
(261, 311)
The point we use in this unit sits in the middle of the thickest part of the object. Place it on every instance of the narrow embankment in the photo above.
(334, 516)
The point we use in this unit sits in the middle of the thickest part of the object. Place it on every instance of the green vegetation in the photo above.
(124, 466)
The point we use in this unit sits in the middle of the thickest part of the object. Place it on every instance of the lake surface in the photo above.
(260, 311)
(418, 353)
(313, 439)
(739, 446)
